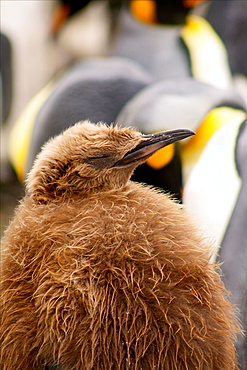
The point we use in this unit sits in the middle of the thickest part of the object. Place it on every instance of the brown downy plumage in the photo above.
(99, 272)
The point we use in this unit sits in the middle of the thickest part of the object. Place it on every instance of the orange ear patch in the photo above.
(60, 14)
(144, 10)
(191, 3)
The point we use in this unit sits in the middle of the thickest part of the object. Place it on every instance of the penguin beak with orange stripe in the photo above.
(151, 143)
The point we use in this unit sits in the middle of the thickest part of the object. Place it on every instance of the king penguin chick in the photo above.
(99, 272)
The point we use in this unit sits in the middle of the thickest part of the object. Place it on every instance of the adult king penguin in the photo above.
(99, 272)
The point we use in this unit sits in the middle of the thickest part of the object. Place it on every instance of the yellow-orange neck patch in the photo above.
(208, 55)
(214, 120)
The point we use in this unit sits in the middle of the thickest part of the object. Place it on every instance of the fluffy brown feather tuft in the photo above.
(99, 272)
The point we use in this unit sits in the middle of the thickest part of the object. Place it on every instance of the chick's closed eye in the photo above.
(100, 160)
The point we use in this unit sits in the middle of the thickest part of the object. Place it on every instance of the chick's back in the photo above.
(117, 280)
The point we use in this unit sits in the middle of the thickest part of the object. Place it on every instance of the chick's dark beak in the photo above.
(151, 143)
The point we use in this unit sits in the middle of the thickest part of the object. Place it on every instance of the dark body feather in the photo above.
(116, 279)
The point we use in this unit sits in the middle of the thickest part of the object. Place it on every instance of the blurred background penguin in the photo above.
(154, 65)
